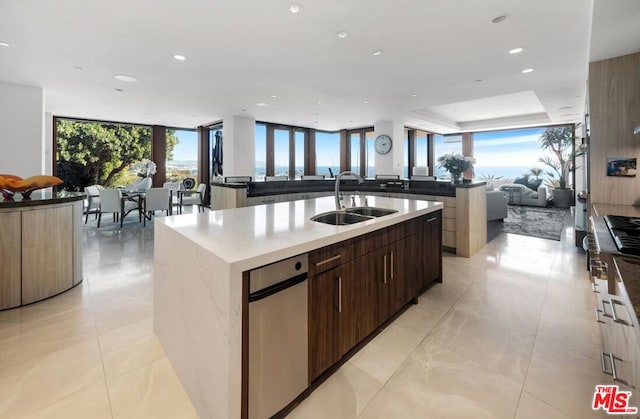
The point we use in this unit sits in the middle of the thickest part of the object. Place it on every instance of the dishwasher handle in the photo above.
(275, 288)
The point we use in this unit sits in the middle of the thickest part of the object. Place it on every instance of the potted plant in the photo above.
(559, 141)
(455, 164)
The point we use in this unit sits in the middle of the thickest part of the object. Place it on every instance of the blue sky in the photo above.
(187, 147)
(514, 148)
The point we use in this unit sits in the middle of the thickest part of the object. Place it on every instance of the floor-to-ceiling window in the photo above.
(97, 152)
(281, 149)
(300, 138)
(182, 155)
(355, 140)
(370, 154)
(405, 151)
(508, 154)
(261, 152)
(327, 153)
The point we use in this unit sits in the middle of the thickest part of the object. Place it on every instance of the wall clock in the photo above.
(383, 144)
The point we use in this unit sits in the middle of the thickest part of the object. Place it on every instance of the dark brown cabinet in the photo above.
(357, 285)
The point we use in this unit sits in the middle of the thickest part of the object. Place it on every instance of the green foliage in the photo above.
(559, 141)
(536, 171)
(96, 152)
(490, 177)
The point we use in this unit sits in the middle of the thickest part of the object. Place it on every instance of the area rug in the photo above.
(540, 222)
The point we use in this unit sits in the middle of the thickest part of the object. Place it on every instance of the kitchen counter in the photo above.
(199, 262)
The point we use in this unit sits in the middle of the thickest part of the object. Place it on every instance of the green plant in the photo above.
(559, 141)
(456, 163)
(536, 171)
(490, 177)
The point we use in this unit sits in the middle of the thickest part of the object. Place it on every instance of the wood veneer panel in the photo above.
(614, 109)
(47, 265)
(471, 220)
(10, 266)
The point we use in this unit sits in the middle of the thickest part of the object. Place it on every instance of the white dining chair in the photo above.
(143, 184)
(92, 201)
(173, 187)
(111, 201)
(193, 197)
(156, 199)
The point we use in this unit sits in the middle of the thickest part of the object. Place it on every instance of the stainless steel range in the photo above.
(625, 232)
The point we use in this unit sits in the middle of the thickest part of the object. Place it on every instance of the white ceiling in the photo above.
(241, 52)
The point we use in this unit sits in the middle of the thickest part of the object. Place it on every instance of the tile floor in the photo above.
(509, 334)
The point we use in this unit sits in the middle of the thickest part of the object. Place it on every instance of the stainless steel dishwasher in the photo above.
(278, 335)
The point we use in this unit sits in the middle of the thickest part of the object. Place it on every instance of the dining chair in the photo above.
(173, 188)
(111, 200)
(193, 197)
(156, 199)
(92, 202)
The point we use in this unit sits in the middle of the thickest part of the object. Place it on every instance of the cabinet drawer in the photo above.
(449, 212)
(449, 224)
(329, 257)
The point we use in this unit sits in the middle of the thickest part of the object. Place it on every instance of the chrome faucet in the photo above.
(337, 188)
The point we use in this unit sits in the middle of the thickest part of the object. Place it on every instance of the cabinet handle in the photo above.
(432, 219)
(392, 266)
(614, 372)
(598, 316)
(615, 317)
(339, 294)
(604, 367)
(385, 269)
(331, 259)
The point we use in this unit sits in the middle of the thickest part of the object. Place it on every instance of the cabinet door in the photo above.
(401, 274)
(351, 305)
(323, 322)
(431, 249)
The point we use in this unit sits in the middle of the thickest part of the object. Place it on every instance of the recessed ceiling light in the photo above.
(243, 110)
(499, 19)
(527, 70)
(319, 102)
(274, 96)
(516, 50)
(478, 80)
(414, 95)
(77, 67)
(117, 89)
(365, 102)
(3, 44)
(565, 107)
(342, 34)
(262, 104)
(179, 57)
(377, 53)
(125, 78)
(295, 7)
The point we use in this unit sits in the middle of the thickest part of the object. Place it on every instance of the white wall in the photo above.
(392, 162)
(239, 146)
(22, 130)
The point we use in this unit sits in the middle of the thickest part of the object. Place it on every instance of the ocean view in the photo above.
(505, 172)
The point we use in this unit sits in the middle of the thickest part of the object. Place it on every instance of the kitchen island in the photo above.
(201, 279)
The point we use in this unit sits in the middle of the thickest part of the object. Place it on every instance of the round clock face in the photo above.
(383, 144)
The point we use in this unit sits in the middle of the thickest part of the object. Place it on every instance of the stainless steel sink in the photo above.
(370, 211)
(339, 218)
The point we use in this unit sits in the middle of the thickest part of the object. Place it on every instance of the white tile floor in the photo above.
(509, 334)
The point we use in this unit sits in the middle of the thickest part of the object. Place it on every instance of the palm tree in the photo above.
(536, 171)
(558, 140)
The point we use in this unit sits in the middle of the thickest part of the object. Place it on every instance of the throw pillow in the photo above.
(522, 181)
(535, 184)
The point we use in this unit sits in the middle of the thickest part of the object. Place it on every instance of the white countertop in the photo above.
(254, 236)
